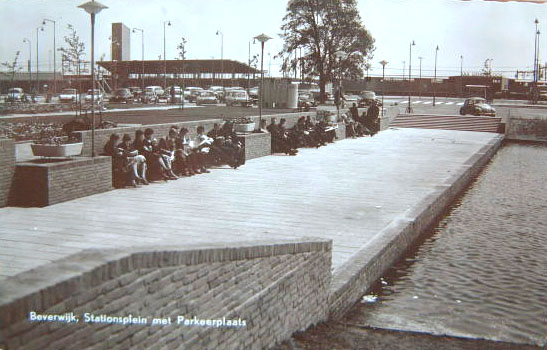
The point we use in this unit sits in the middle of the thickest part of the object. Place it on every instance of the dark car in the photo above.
(477, 106)
(122, 95)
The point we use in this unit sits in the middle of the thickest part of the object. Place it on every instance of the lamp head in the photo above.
(44, 22)
(168, 23)
(536, 21)
(92, 7)
(262, 38)
(413, 43)
(437, 48)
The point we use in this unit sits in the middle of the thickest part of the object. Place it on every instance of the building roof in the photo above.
(176, 66)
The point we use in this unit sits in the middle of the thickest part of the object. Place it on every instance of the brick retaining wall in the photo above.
(356, 276)
(7, 169)
(160, 130)
(38, 183)
(277, 287)
(522, 128)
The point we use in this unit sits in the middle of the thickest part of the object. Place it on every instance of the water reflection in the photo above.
(483, 271)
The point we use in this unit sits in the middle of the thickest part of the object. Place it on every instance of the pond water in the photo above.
(482, 272)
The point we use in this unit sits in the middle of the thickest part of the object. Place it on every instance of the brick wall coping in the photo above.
(68, 163)
(45, 286)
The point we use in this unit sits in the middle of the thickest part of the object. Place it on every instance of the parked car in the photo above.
(253, 95)
(191, 93)
(477, 106)
(122, 95)
(237, 97)
(219, 92)
(98, 96)
(136, 91)
(15, 95)
(367, 97)
(350, 99)
(178, 94)
(206, 97)
(305, 99)
(151, 94)
(69, 96)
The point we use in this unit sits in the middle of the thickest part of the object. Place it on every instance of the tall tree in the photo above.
(322, 29)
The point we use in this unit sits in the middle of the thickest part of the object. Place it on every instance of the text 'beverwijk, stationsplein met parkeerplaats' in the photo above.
(71, 318)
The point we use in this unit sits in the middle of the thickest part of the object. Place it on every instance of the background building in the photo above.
(121, 42)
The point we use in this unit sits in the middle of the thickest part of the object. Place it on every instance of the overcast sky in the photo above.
(476, 30)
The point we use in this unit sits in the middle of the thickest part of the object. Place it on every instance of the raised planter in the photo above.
(43, 182)
(64, 150)
(244, 128)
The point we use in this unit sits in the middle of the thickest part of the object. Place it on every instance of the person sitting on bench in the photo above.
(167, 147)
(136, 161)
(121, 172)
(203, 148)
(281, 140)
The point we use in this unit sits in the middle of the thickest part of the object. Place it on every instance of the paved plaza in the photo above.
(347, 191)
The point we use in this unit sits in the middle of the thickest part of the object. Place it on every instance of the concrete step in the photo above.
(447, 122)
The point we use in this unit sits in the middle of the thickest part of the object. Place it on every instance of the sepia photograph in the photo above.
(273, 175)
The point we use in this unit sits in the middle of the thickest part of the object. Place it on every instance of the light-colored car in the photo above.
(367, 97)
(305, 99)
(191, 93)
(178, 93)
(477, 106)
(69, 96)
(237, 97)
(15, 95)
(207, 97)
(98, 96)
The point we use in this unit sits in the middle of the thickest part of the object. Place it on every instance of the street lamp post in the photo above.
(262, 38)
(383, 63)
(93, 8)
(420, 81)
(164, 62)
(115, 76)
(536, 49)
(25, 40)
(435, 78)
(409, 108)
(221, 57)
(54, 54)
(340, 55)
(37, 60)
(142, 54)
(461, 75)
(249, 69)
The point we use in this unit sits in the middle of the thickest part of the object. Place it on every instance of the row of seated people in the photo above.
(365, 125)
(305, 133)
(149, 159)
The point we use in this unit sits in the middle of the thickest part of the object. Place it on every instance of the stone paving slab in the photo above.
(347, 192)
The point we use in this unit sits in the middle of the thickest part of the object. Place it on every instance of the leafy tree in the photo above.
(322, 29)
(10, 68)
(182, 49)
(487, 69)
(74, 51)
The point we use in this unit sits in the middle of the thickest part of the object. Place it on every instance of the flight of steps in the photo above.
(447, 122)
